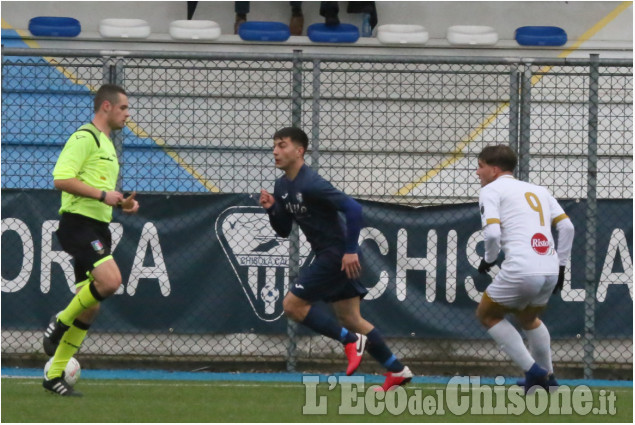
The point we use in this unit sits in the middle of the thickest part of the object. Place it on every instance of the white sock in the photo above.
(510, 341)
(539, 342)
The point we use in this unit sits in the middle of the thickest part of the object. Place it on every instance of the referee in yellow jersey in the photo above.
(86, 172)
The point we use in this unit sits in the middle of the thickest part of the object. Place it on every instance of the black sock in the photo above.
(320, 322)
(379, 350)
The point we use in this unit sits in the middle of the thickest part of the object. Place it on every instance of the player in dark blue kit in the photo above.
(333, 276)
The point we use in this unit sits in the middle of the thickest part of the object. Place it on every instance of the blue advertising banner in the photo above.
(212, 264)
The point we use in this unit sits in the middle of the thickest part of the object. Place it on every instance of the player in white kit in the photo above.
(517, 217)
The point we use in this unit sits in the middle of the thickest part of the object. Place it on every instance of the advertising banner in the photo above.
(213, 264)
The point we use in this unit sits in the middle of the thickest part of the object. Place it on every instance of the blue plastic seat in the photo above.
(541, 36)
(264, 31)
(54, 26)
(342, 33)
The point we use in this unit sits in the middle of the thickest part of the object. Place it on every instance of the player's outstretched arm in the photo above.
(280, 220)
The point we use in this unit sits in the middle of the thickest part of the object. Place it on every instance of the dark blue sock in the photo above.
(537, 370)
(320, 322)
(379, 350)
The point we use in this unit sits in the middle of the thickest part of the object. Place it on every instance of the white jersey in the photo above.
(525, 213)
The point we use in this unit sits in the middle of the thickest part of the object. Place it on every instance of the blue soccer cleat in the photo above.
(552, 383)
(536, 377)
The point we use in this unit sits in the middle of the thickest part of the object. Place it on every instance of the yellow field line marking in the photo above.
(136, 130)
(457, 153)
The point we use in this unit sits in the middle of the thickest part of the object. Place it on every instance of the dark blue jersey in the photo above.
(314, 204)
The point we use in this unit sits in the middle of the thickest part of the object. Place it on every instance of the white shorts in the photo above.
(520, 292)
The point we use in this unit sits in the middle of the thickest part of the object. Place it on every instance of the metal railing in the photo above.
(390, 129)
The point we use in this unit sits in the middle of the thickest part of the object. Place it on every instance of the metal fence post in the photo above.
(525, 124)
(296, 95)
(294, 236)
(514, 106)
(113, 74)
(315, 117)
(591, 220)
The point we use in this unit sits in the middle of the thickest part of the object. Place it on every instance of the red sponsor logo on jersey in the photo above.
(540, 243)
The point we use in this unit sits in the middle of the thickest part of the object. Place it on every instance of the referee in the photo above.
(86, 172)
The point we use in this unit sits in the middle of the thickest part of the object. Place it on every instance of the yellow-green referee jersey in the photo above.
(94, 165)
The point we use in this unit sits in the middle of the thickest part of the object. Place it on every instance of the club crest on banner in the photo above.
(259, 257)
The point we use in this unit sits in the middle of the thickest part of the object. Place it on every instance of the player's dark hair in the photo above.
(109, 92)
(296, 135)
(499, 156)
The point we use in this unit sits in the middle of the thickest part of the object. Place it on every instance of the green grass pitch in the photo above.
(24, 400)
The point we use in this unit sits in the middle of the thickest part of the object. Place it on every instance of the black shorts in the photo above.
(89, 241)
(324, 280)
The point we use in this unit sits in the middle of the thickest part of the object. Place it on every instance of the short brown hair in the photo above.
(296, 135)
(108, 92)
(499, 156)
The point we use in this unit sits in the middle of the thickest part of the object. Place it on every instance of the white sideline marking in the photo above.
(94, 382)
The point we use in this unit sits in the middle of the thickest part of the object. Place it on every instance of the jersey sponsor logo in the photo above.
(296, 209)
(540, 244)
(259, 257)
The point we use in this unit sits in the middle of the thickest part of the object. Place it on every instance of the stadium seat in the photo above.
(194, 30)
(342, 33)
(472, 35)
(124, 28)
(402, 34)
(264, 31)
(541, 36)
(54, 26)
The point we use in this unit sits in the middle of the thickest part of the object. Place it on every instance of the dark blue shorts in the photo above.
(323, 280)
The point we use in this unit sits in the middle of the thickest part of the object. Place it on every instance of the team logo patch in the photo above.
(540, 244)
(97, 246)
(259, 257)
(482, 210)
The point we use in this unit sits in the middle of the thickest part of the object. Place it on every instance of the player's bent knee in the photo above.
(294, 314)
(291, 310)
(107, 287)
(529, 323)
(485, 319)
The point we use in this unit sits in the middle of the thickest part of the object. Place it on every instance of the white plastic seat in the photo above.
(402, 34)
(472, 35)
(194, 30)
(124, 28)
